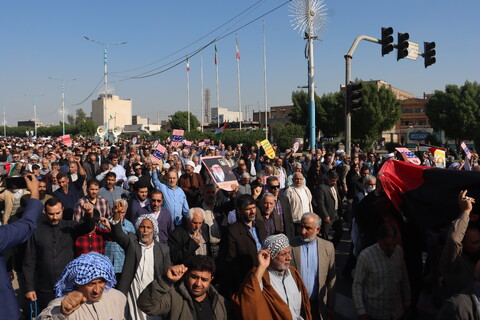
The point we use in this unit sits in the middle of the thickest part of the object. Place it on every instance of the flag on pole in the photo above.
(188, 65)
(111, 118)
(236, 47)
(221, 130)
(216, 58)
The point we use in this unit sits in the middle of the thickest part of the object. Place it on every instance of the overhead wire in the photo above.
(196, 41)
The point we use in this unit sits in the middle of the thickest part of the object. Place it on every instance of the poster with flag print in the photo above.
(409, 156)
(158, 152)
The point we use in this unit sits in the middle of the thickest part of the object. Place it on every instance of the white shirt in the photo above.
(143, 277)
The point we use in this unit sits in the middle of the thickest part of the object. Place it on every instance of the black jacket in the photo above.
(324, 203)
(183, 247)
(48, 251)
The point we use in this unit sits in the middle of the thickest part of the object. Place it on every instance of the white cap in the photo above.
(389, 155)
(340, 151)
(190, 163)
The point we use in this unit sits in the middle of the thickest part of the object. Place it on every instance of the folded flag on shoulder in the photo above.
(427, 196)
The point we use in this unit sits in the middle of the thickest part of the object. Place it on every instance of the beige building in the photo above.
(225, 115)
(111, 108)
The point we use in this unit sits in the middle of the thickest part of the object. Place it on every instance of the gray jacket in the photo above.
(174, 302)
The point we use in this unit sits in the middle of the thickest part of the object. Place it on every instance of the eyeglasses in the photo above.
(274, 187)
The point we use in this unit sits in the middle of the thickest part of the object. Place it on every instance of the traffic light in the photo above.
(429, 53)
(387, 40)
(402, 47)
(354, 96)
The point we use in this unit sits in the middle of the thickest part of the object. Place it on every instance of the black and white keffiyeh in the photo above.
(275, 243)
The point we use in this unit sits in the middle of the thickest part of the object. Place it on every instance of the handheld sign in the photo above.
(268, 148)
(439, 157)
(158, 152)
(409, 156)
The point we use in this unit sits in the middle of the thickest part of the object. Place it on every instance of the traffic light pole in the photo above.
(348, 65)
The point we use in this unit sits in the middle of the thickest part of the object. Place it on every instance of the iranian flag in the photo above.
(216, 58)
(10, 168)
(188, 65)
(236, 48)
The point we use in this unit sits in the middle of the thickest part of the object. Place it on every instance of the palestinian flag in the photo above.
(427, 196)
(220, 130)
(10, 168)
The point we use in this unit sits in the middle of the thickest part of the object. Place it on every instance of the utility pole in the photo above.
(63, 100)
(105, 74)
(34, 109)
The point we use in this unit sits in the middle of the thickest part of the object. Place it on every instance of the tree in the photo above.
(71, 119)
(380, 111)
(87, 128)
(284, 140)
(180, 121)
(456, 110)
(329, 112)
(80, 116)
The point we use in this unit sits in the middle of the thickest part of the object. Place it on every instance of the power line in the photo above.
(181, 60)
(194, 42)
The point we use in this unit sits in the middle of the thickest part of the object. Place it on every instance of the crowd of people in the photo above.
(111, 231)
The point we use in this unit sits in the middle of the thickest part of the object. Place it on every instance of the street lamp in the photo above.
(34, 108)
(63, 100)
(309, 17)
(105, 70)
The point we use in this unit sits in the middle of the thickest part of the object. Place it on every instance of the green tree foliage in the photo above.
(380, 111)
(284, 140)
(456, 110)
(78, 118)
(180, 121)
(70, 119)
(329, 112)
(87, 128)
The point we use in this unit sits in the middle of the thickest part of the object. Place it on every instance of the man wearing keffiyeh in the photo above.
(85, 291)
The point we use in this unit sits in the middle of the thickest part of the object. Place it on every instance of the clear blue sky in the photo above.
(42, 39)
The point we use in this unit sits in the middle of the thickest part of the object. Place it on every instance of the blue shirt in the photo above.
(309, 267)
(253, 232)
(115, 252)
(111, 196)
(174, 199)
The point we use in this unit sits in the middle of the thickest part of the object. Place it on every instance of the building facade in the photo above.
(110, 108)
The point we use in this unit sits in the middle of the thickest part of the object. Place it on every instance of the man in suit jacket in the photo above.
(315, 259)
(190, 239)
(145, 258)
(12, 235)
(244, 241)
(328, 205)
(138, 204)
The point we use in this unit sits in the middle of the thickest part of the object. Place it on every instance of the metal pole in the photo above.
(348, 115)
(265, 80)
(239, 94)
(348, 66)
(4, 122)
(188, 97)
(63, 108)
(218, 94)
(35, 115)
(311, 92)
(202, 111)
(105, 86)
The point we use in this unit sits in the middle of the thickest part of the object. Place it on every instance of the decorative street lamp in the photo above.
(310, 18)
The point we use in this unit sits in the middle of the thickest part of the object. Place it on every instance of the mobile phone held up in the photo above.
(16, 183)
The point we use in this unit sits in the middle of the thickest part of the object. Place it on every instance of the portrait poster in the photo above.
(297, 147)
(220, 172)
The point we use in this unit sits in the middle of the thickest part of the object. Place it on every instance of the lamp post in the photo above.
(34, 109)
(105, 71)
(309, 16)
(63, 100)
